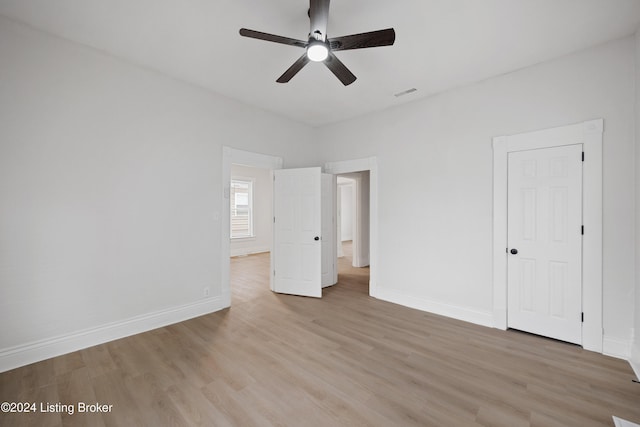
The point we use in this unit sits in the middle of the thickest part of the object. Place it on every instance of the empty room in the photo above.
(293, 212)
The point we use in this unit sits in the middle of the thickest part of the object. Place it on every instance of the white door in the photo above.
(297, 249)
(545, 242)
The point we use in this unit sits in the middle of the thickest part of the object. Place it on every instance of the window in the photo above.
(241, 199)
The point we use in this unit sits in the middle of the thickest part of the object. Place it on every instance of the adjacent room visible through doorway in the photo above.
(251, 230)
(352, 223)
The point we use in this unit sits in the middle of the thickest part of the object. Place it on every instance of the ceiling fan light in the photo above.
(317, 52)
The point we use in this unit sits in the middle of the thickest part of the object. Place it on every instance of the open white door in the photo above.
(297, 248)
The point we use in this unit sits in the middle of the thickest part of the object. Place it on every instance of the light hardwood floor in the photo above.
(345, 359)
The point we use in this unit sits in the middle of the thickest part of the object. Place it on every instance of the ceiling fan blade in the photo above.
(339, 69)
(360, 41)
(272, 38)
(293, 70)
(319, 16)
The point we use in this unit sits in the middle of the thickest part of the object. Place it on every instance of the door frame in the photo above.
(589, 134)
(360, 165)
(333, 233)
(246, 158)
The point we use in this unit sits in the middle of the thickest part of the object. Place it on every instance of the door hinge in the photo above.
(274, 219)
(582, 317)
(582, 230)
(274, 273)
(583, 156)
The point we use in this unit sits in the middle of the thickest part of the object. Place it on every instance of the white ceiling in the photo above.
(440, 44)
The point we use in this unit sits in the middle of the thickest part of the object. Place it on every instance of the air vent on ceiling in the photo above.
(405, 92)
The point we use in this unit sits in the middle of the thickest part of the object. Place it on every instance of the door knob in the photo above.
(316, 238)
(514, 251)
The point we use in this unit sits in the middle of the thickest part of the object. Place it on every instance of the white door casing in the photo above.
(589, 134)
(329, 231)
(297, 249)
(544, 257)
(340, 251)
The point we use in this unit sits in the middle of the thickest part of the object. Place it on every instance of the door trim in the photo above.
(359, 165)
(245, 158)
(589, 134)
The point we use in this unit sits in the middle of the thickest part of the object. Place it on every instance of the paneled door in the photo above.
(545, 242)
(297, 248)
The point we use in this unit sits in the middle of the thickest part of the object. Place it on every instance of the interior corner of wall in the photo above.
(617, 347)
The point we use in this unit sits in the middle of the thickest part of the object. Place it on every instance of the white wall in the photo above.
(346, 205)
(635, 362)
(262, 212)
(110, 189)
(439, 257)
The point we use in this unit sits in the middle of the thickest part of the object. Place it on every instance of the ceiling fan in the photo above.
(319, 48)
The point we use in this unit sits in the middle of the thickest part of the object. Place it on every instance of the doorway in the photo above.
(353, 196)
(230, 157)
(251, 228)
(352, 229)
(366, 171)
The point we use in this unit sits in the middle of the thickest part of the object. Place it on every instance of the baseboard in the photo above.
(26, 354)
(636, 368)
(456, 312)
(634, 361)
(247, 251)
(616, 347)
